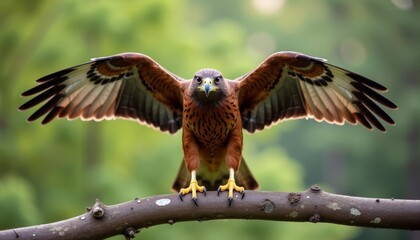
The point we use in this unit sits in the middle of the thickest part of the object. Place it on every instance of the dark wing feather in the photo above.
(289, 85)
(128, 85)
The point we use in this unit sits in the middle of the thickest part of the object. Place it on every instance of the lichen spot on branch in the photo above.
(163, 202)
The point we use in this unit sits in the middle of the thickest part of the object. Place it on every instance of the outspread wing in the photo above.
(127, 85)
(289, 85)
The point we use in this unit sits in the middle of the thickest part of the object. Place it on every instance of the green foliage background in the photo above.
(49, 173)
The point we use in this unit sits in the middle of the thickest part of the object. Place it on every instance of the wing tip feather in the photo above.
(56, 74)
(364, 80)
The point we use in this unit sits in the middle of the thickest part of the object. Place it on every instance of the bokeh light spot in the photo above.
(267, 7)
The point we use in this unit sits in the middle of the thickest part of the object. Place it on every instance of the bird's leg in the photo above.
(193, 188)
(192, 162)
(231, 185)
(233, 160)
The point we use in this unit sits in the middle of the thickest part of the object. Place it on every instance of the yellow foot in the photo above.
(193, 188)
(231, 185)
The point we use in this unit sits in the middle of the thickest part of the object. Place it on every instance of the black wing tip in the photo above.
(372, 124)
(52, 115)
(31, 91)
(367, 81)
(32, 118)
(365, 100)
(50, 108)
(393, 106)
(371, 129)
(381, 128)
(23, 107)
(363, 83)
(26, 93)
(56, 74)
(361, 87)
(43, 122)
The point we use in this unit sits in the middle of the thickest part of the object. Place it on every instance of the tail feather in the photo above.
(243, 177)
(182, 179)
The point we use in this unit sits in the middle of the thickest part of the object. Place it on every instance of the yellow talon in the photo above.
(193, 188)
(231, 185)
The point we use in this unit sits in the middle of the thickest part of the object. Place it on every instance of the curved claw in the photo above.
(231, 186)
(218, 191)
(230, 199)
(193, 189)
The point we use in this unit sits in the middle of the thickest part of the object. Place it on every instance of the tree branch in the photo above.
(313, 205)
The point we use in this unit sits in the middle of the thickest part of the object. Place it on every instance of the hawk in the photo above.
(211, 110)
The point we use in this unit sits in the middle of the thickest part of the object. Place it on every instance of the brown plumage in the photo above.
(211, 110)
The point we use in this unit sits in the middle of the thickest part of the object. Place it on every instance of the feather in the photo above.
(324, 92)
(109, 103)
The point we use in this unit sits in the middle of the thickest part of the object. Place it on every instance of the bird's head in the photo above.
(208, 85)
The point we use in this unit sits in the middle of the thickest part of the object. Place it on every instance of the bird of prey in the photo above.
(210, 109)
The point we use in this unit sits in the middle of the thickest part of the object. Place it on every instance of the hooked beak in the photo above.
(207, 86)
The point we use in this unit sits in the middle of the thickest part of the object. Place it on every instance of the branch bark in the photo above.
(313, 205)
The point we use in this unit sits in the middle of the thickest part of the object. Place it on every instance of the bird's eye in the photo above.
(198, 79)
(217, 79)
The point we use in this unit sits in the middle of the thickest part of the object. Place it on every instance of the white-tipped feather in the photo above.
(74, 106)
(66, 100)
(110, 102)
(343, 104)
(75, 85)
(346, 98)
(318, 103)
(343, 81)
(339, 108)
(329, 109)
(314, 101)
(343, 94)
(78, 74)
(87, 102)
(310, 108)
(76, 79)
(98, 101)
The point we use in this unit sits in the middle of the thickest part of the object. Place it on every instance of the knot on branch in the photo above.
(315, 188)
(267, 206)
(315, 218)
(130, 233)
(98, 209)
(293, 198)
